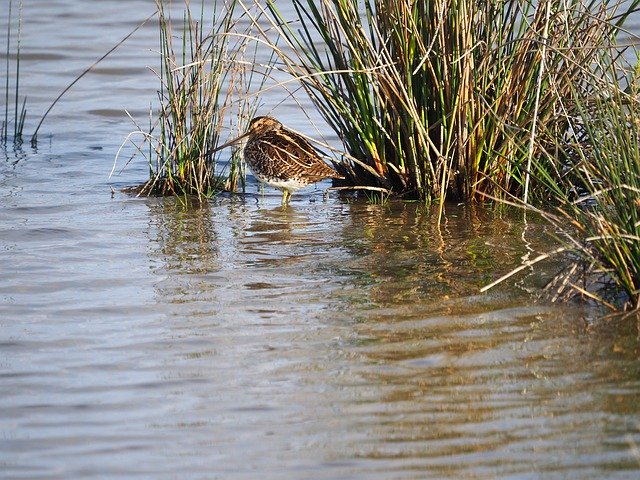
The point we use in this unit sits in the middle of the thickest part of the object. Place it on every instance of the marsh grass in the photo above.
(203, 89)
(12, 92)
(594, 195)
(598, 195)
(438, 98)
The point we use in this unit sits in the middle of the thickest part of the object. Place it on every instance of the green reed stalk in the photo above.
(19, 112)
(6, 90)
(18, 119)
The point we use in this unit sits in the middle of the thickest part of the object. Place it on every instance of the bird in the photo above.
(281, 157)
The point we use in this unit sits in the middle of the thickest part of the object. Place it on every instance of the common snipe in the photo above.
(282, 158)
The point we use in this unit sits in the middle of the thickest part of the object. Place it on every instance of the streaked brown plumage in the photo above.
(282, 158)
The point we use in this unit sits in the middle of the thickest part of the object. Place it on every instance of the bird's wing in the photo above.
(299, 156)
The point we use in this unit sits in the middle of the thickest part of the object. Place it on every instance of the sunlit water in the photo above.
(141, 338)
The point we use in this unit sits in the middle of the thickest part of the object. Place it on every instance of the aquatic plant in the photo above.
(201, 74)
(589, 180)
(437, 98)
(20, 112)
(598, 192)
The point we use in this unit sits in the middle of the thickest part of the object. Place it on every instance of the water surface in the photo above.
(336, 339)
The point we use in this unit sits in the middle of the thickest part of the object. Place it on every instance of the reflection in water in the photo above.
(411, 260)
(185, 235)
(349, 338)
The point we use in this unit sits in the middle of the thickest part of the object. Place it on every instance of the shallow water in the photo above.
(142, 338)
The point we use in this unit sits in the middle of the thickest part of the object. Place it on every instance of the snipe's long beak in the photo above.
(230, 142)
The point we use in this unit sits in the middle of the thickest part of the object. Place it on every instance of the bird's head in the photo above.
(259, 125)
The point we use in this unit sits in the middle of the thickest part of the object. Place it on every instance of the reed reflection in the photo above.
(184, 235)
(407, 258)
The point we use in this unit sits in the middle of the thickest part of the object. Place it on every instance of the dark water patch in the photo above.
(38, 234)
(37, 56)
(108, 113)
(124, 71)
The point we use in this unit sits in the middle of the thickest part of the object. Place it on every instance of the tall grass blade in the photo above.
(5, 124)
(17, 122)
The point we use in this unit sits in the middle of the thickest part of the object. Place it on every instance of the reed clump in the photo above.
(446, 98)
(200, 79)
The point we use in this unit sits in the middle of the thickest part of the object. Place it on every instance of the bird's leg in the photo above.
(286, 196)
